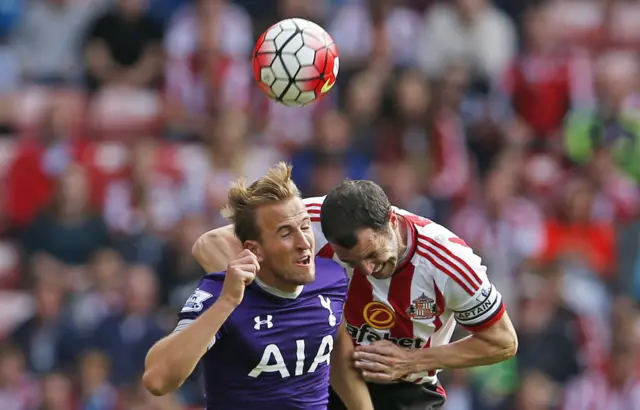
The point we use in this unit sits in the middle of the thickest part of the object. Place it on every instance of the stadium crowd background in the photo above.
(514, 123)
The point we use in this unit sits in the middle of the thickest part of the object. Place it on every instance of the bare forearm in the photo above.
(346, 380)
(173, 359)
(216, 248)
(468, 352)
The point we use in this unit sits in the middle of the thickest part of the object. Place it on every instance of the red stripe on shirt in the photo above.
(359, 295)
(420, 251)
(313, 205)
(326, 252)
(399, 298)
(470, 274)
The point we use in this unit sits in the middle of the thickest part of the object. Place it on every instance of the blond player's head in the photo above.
(271, 220)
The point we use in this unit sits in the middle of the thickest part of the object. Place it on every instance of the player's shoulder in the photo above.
(436, 244)
(212, 282)
(205, 294)
(330, 274)
(314, 205)
(425, 228)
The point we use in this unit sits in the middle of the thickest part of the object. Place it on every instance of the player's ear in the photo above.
(393, 220)
(255, 247)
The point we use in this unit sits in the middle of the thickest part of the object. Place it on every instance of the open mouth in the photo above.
(306, 261)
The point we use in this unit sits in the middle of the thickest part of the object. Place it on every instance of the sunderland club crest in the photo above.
(423, 307)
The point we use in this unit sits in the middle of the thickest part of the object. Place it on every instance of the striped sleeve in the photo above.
(314, 207)
(476, 303)
(202, 298)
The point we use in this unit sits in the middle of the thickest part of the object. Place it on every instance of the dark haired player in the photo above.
(266, 328)
(412, 281)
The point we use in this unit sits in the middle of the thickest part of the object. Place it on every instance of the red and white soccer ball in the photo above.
(295, 62)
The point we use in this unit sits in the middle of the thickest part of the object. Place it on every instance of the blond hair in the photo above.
(275, 186)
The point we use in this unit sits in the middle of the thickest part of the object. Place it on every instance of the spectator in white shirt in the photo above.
(470, 30)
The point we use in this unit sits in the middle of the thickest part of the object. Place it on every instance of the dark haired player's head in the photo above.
(358, 222)
(272, 221)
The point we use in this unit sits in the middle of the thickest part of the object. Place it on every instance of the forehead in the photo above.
(368, 241)
(290, 211)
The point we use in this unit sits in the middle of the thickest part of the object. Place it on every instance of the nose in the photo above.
(366, 267)
(303, 242)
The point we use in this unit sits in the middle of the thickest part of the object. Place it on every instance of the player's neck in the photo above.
(272, 284)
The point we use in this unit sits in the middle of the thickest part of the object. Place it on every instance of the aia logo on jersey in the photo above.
(423, 307)
(379, 316)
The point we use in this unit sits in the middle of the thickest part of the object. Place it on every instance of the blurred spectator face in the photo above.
(333, 132)
(94, 371)
(210, 8)
(499, 188)
(57, 120)
(72, 195)
(624, 363)
(400, 183)
(231, 129)
(300, 8)
(540, 32)
(48, 301)
(188, 231)
(536, 392)
(46, 269)
(143, 161)
(454, 84)
(379, 9)
(579, 203)
(364, 96)
(12, 367)
(132, 8)
(107, 267)
(56, 392)
(469, 9)
(413, 95)
(326, 175)
(615, 78)
(142, 290)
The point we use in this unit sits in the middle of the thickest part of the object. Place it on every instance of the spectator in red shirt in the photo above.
(577, 236)
(543, 80)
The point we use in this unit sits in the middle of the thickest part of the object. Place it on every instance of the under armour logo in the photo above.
(260, 323)
(326, 303)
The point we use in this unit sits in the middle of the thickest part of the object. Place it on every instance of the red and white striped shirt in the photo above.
(441, 282)
(593, 392)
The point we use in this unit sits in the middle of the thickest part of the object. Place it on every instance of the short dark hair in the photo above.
(352, 206)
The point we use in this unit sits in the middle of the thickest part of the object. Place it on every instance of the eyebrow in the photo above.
(290, 226)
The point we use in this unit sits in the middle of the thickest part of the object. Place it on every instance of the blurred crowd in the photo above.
(516, 123)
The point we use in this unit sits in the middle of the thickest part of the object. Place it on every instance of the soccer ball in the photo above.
(295, 62)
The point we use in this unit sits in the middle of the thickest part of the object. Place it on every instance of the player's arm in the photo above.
(492, 345)
(172, 359)
(346, 380)
(477, 306)
(214, 249)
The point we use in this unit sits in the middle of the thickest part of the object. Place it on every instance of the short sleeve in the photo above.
(475, 302)
(202, 298)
